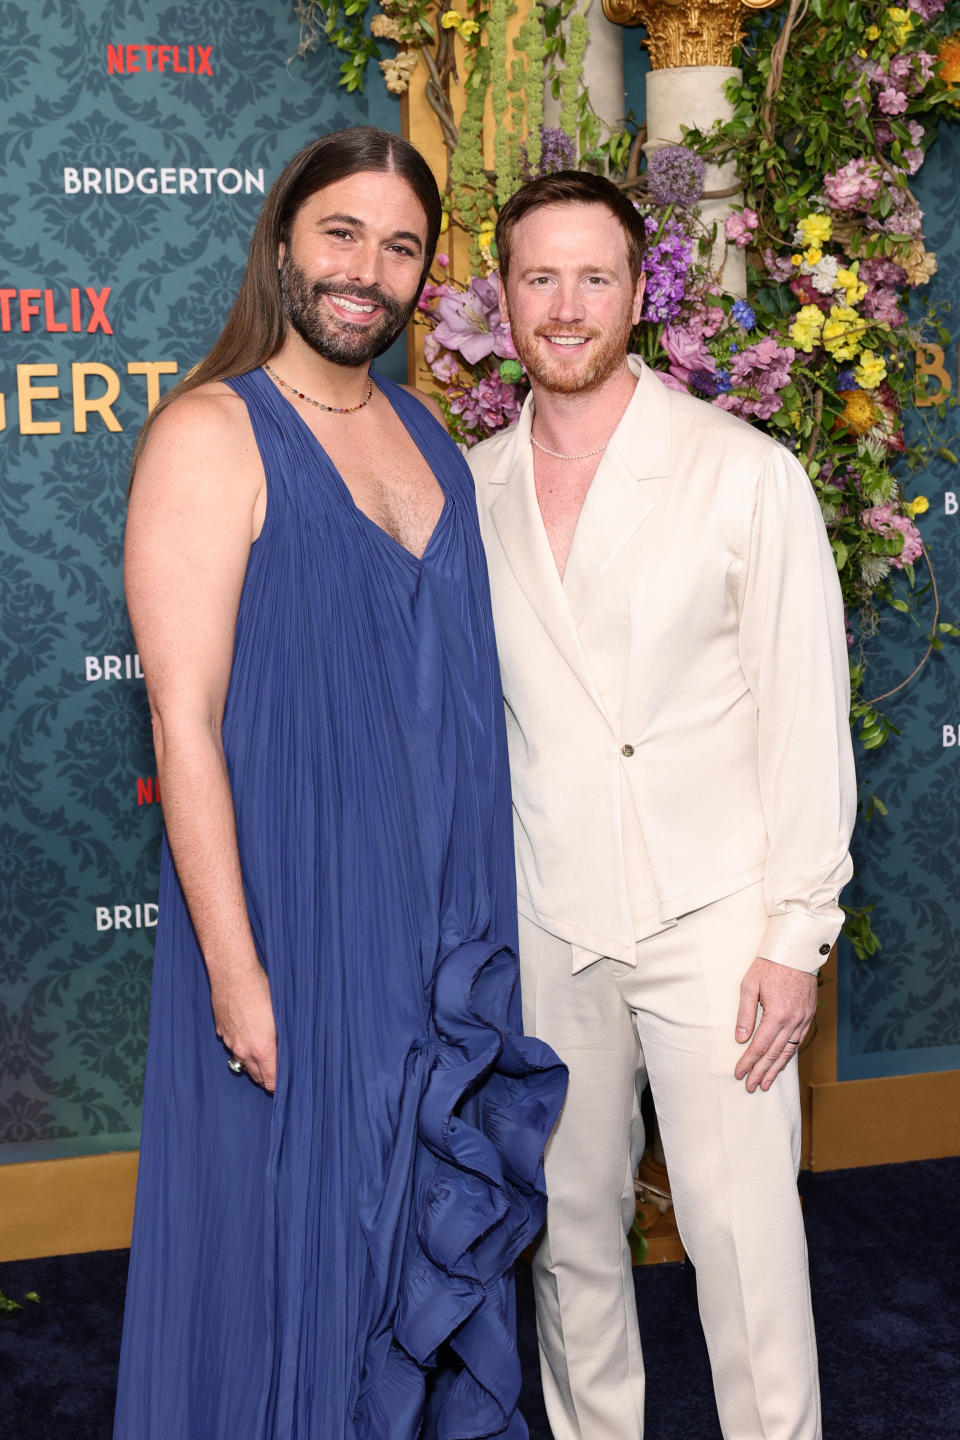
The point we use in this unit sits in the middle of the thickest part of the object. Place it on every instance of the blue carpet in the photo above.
(885, 1265)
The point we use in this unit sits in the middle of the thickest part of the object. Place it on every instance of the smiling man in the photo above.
(342, 1121)
(674, 670)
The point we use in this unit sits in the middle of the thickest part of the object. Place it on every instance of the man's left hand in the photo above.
(788, 999)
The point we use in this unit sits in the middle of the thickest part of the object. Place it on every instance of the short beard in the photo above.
(553, 375)
(337, 340)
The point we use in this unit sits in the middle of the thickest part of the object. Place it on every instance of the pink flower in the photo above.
(739, 228)
(686, 350)
(442, 259)
(853, 186)
(892, 101)
(885, 521)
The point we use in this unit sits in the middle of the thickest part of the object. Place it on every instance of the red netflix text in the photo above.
(80, 310)
(135, 59)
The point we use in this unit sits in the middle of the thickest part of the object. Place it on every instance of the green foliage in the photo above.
(341, 23)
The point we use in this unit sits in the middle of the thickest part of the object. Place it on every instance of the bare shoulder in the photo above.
(428, 401)
(212, 412)
(203, 439)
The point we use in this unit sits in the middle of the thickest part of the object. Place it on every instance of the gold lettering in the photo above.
(931, 366)
(153, 369)
(84, 404)
(28, 393)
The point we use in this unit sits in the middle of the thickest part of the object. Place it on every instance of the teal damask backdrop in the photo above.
(189, 112)
(79, 823)
(899, 1011)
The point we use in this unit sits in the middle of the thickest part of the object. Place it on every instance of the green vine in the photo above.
(532, 44)
(505, 176)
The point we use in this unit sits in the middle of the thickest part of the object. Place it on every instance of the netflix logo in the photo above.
(143, 59)
(74, 309)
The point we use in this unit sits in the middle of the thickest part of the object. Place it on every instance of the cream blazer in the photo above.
(677, 707)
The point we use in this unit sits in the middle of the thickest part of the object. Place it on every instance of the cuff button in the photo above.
(824, 949)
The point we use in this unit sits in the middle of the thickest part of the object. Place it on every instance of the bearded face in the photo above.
(327, 330)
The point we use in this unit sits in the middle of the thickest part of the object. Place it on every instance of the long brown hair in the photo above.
(255, 328)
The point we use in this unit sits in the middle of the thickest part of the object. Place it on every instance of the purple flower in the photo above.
(470, 321)
(926, 8)
(557, 152)
(675, 176)
(778, 267)
(665, 265)
(487, 407)
(758, 374)
(846, 380)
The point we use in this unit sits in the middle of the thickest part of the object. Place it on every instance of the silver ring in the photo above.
(791, 1042)
(235, 1066)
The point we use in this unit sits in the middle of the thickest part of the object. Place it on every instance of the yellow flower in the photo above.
(901, 22)
(949, 56)
(815, 230)
(796, 260)
(451, 20)
(859, 412)
(444, 223)
(871, 370)
(849, 281)
(469, 27)
(919, 506)
(807, 327)
(813, 256)
(861, 52)
(842, 332)
(872, 32)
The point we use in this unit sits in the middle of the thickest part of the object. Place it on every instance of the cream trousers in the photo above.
(732, 1158)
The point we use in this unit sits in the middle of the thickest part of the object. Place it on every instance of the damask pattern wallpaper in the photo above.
(137, 142)
(899, 1011)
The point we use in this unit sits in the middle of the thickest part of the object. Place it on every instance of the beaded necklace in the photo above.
(330, 409)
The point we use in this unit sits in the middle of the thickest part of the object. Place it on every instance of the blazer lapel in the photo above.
(617, 502)
(519, 525)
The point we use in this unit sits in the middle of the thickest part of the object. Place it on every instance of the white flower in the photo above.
(824, 274)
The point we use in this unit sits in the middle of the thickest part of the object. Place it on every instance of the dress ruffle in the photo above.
(490, 1099)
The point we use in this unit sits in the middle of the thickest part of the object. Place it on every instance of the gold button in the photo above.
(626, 750)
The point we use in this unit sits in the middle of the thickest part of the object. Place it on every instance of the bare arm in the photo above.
(196, 506)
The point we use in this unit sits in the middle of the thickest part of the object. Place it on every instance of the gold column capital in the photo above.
(686, 32)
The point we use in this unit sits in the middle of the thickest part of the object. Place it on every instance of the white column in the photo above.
(692, 95)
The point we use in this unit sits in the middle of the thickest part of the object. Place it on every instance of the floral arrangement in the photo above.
(833, 115)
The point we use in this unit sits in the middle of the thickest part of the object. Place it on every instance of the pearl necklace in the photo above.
(330, 409)
(557, 456)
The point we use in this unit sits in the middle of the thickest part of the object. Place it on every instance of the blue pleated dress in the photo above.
(335, 1261)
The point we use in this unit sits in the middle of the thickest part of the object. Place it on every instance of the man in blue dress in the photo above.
(342, 1122)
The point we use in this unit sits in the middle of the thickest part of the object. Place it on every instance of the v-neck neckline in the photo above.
(344, 489)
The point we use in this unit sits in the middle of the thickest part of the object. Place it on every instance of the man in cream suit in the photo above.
(674, 670)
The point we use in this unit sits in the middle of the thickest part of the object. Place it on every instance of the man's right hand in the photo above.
(243, 1012)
